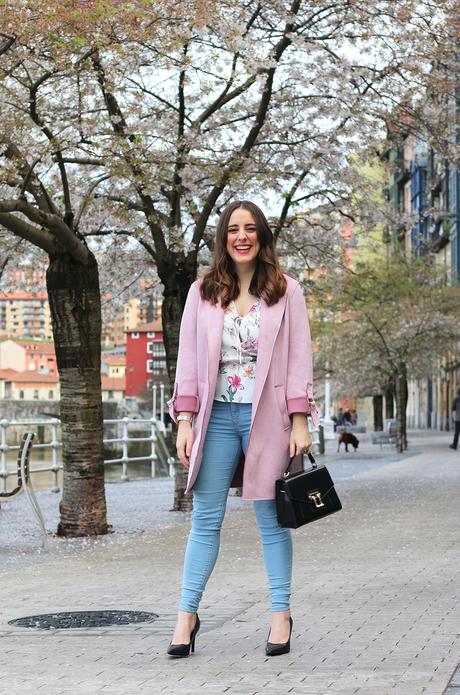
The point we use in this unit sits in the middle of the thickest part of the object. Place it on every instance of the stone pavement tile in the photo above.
(372, 612)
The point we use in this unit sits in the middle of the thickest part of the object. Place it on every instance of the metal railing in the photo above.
(154, 427)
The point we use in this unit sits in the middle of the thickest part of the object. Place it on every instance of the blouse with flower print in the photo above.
(238, 355)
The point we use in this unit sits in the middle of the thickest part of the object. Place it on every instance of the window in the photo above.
(159, 349)
(134, 335)
(149, 383)
(110, 394)
(21, 395)
(50, 395)
(150, 348)
(36, 394)
(150, 334)
(149, 366)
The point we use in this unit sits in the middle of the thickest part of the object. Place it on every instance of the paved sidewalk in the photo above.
(375, 593)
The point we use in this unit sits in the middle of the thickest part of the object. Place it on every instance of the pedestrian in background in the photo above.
(340, 417)
(346, 418)
(456, 417)
(242, 394)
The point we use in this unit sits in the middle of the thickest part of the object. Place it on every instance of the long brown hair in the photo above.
(221, 280)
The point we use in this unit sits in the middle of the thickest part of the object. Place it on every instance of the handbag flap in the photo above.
(300, 485)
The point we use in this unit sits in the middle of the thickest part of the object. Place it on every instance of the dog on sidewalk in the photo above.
(347, 438)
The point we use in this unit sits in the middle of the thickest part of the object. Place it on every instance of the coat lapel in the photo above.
(214, 328)
(270, 321)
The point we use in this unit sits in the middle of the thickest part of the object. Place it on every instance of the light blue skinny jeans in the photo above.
(227, 434)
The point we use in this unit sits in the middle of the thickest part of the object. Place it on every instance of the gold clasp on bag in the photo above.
(316, 498)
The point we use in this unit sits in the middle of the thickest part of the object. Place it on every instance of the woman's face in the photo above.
(242, 243)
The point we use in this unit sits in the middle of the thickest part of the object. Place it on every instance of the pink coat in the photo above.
(283, 384)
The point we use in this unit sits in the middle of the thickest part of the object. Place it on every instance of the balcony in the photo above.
(439, 231)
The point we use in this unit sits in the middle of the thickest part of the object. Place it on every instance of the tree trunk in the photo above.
(401, 406)
(74, 297)
(182, 502)
(176, 277)
(377, 402)
(389, 400)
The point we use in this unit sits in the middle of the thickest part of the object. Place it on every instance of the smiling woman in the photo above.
(242, 394)
(242, 243)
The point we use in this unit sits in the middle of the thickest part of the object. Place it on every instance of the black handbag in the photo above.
(305, 496)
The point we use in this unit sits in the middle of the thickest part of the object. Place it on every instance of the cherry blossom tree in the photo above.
(274, 101)
(141, 122)
(393, 320)
(45, 200)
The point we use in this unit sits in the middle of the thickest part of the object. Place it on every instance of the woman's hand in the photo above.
(300, 436)
(184, 442)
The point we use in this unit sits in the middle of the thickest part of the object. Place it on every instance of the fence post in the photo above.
(315, 438)
(153, 447)
(154, 400)
(4, 458)
(124, 458)
(162, 402)
(54, 453)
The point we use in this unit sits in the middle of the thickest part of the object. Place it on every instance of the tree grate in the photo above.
(78, 619)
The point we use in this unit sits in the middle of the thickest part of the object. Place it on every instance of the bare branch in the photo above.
(53, 223)
(39, 237)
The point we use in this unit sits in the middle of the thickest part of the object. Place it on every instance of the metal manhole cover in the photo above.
(76, 619)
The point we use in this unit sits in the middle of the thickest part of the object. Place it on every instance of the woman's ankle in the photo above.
(187, 616)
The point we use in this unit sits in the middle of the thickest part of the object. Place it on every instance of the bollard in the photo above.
(321, 440)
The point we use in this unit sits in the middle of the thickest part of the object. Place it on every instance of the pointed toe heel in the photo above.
(181, 650)
(278, 648)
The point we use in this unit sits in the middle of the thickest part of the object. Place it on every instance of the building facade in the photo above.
(423, 192)
(25, 315)
(145, 358)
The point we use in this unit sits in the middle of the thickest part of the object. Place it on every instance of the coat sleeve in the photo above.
(299, 387)
(185, 393)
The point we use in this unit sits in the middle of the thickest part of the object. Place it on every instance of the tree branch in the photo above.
(119, 126)
(38, 237)
(33, 91)
(252, 136)
(53, 223)
(33, 185)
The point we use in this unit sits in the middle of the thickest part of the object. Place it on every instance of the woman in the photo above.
(242, 393)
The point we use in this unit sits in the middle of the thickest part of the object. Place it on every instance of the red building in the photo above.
(145, 357)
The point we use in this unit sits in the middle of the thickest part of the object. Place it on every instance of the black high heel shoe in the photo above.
(184, 649)
(275, 649)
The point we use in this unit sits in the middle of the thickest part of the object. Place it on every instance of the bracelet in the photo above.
(188, 418)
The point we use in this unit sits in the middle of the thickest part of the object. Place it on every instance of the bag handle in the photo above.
(312, 461)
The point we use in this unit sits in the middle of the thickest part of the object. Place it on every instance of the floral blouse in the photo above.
(238, 355)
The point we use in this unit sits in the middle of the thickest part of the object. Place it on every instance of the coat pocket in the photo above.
(280, 393)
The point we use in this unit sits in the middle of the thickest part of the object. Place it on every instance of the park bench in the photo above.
(23, 483)
(389, 434)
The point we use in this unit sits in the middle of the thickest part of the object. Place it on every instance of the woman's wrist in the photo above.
(300, 419)
(184, 417)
